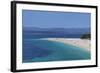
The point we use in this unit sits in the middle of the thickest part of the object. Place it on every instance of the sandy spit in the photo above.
(82, 43)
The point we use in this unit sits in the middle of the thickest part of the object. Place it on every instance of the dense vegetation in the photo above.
(86, 36)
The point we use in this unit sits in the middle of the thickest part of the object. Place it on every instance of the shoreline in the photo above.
(82, 43)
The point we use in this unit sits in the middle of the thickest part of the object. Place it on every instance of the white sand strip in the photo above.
(82, 43)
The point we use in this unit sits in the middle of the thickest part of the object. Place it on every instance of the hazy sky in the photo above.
(48, 19)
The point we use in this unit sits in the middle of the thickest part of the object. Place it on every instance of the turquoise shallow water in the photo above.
(36, 50)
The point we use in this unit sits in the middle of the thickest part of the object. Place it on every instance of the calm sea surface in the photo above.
(39, 50)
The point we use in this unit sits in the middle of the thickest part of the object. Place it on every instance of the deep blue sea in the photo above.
(36, 49)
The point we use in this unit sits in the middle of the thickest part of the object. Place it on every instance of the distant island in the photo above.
(86, 36)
